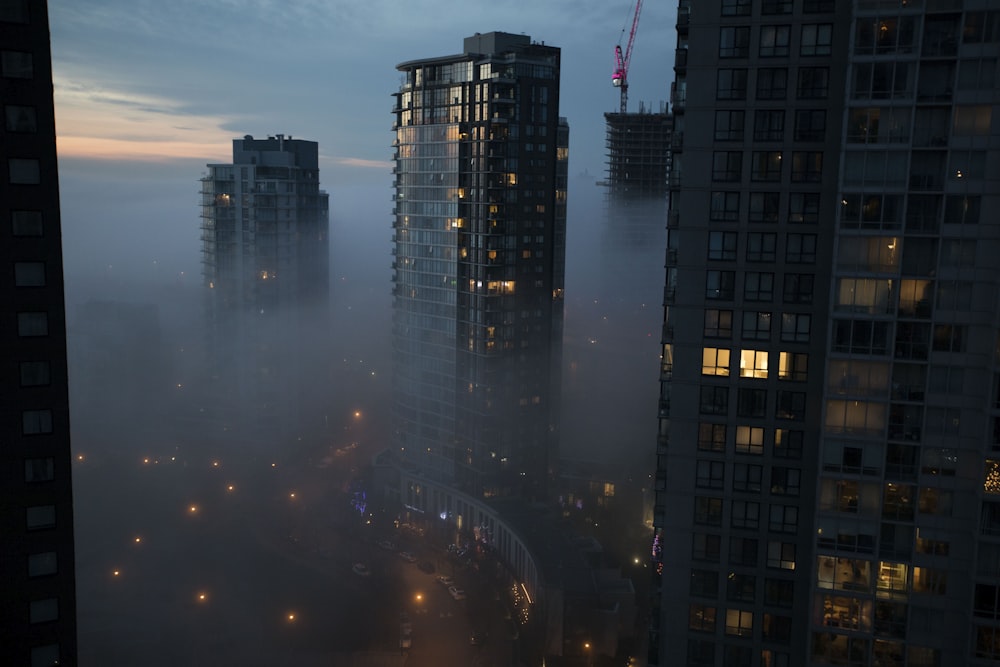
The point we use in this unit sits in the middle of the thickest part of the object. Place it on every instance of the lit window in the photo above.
(749, 440)
(715, 361)
(793, 366)
(739, 623)
(753, 364)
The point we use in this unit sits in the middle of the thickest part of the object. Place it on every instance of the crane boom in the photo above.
(620, 77)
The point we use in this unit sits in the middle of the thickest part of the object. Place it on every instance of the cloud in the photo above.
(361, 162)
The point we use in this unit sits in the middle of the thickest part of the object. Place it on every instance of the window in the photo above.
(34, 373)
(816, 39)
(718, 323)
(45, 610)
(784, 519)
(813, 83)
(798, 288)
(790, 405)
(761, 246)
(29, 274)
(774, 40)
(14, 11)
(734, 42)
(785, 481)
(795, 327)
(793, 366)
(26, 223)
(727, 166)
(729, 125)
(751, 402)
(772, 83)
(44, 656)
(977, 74)
(709, 474)
(741, 588)
(701, 618)
(32, 324)
(756, 326)
(739, 623)
(758, 286)
(749, 440)
(818, 6)
(788, 444)
(715, 361)
(16, 65)
(779, 593)
(736, 7)
(810, 125)
(708, 511)
(702, 653)
(781, 555)
(731, 84)
(704, 583)
(714, 400)
(725, 207)
(40, 517)
(958, 252)
(742, 551)
(981, 27)
(36, 422)
(763, 207)
(712, 437)
(771, 7)
(807, 166)
(722, 246)
(706, 547)
(765, 166)
(882, 80)
(961, 210)
(39, 470)
(800, 248)
(20, 118)
(720, 285)
(949, 338)
(744, 514)
(803, 208)
(42, 564)
(753, 364)
(769, 125)
(24, 171)
(747, 477)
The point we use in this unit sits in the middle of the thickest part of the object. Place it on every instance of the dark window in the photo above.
(720, 285)
(785, 481)
(803, 208)
(961, 209)
(818, 6)
(764, 206)
(756, 326)
(710, 474)
(711, 437)
(741, 587)
(758, 286)
(817, 39)
(751, 402)
(795, 327)
(713, 400)
(771, 7)
(774, 40)
(813, 83)
(704, 583)
(734, 42)
(807, 166)
(736, 7)
(725, 207)
(810, 125)
(800, 248)
(772, 83)
(731, 84)
(790, 405)
(722, 245)
(727, 166)
(718, 323)
(769, 125)
(788, 444)
(706, 547)
(729, 125)
(742, 551)
(747, 477)
(798, 288)
(761, 246)
(779, 593)
(765, 166)
(708, 511)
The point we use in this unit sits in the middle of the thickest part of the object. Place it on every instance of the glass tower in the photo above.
(479, 244)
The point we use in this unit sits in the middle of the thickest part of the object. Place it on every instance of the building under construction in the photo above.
(638, 151)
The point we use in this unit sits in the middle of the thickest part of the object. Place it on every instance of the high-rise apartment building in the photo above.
(265, 254)
(479, 245)
(38, 613)
(826, 488)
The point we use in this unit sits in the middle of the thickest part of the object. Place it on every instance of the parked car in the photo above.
(445, 580)
(388, 545)
(456, 593)
(361, 569)
(407, 556)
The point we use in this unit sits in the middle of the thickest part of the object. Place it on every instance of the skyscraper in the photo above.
(265, 255)
(38, 614)
(479, 245)
(826, 479)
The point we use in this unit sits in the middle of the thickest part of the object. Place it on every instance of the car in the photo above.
(407, 556)
(445, 580)
(361, 569)
(388, 545)
(456, 593)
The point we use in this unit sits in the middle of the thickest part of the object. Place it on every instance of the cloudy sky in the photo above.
(147, 92)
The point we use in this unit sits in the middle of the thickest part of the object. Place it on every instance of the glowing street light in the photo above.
(291, 617)
(193, 509)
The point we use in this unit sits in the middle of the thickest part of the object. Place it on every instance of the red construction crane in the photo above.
(620, 78)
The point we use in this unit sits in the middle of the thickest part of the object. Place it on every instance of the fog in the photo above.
(199, 542)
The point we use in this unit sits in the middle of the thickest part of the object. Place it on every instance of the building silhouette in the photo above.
(826, 485)
(479, 245)
(38, 614)
(265, 259)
